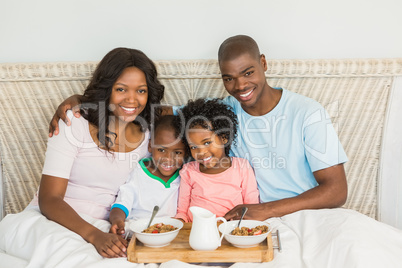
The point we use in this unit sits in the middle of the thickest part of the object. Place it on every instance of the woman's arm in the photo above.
(52, 205)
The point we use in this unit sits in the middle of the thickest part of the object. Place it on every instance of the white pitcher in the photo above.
(204, 233)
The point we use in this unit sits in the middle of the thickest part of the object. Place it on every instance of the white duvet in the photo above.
(310, 238)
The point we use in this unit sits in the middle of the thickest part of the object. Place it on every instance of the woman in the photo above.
(87, 162)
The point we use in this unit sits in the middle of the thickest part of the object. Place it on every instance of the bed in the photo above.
(362, 97)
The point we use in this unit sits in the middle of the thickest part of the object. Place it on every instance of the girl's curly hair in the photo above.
(211, 114)
(98, 92)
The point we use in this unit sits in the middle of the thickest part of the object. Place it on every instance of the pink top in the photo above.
(218, 193)
(94, 175)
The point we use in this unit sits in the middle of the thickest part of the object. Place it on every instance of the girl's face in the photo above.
(208, 149)
(129, 94)
(167, 152)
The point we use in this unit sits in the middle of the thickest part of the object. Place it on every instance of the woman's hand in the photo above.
(71, 103)
(52, 205)
(109, 245)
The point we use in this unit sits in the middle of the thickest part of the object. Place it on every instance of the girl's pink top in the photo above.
(218, 193)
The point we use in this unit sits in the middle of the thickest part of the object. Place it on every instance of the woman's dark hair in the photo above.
(211, 114)
(98, 92)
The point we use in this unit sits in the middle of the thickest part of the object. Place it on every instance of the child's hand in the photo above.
(117, 227)
(110, 245)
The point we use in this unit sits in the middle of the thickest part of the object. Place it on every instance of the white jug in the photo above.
(204, 233)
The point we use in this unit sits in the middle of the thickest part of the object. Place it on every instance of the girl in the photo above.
(214, 181)
(87, 162)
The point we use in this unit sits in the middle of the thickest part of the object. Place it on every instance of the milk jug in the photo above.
(204, 233)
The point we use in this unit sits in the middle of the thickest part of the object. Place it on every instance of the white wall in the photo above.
(79, 30)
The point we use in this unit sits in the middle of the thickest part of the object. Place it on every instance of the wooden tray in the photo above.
(179, 249)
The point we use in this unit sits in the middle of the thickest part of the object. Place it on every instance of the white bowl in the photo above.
(243, 241)
(155, 240)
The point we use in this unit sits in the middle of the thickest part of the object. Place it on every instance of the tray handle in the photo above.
(278, 239)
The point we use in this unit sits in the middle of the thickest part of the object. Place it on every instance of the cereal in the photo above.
(245, 231)
(159, 228)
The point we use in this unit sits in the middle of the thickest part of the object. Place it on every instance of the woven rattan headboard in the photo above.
(355, 93)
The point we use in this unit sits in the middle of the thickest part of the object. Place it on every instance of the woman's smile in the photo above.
(128, 110)
(129, 94)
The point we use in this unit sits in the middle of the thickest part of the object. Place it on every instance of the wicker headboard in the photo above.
(355, 93)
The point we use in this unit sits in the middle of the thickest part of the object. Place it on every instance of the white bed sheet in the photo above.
(310, 238)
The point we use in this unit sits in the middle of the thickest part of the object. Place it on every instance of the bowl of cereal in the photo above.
(249, 234)
(161, 232)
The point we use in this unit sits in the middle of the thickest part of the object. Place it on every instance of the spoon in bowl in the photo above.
(156, 209)
(243, 212)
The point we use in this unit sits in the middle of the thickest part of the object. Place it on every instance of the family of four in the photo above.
(115, 155)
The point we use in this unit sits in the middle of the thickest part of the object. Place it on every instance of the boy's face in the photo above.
(167, 152)
(244, 79)
(206, 147)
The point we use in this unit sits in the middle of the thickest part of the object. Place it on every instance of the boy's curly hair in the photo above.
(211, 114)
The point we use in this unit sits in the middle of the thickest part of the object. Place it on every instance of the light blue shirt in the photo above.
(286, 145)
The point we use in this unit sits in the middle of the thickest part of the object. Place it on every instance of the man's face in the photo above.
(244, 79)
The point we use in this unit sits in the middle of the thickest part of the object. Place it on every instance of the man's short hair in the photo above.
(237, 45)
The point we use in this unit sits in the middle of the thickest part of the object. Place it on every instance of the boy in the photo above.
(155, 182)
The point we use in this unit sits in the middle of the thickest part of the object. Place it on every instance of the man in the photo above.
(287, 138)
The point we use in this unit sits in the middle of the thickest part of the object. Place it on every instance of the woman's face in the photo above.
(129, 94)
